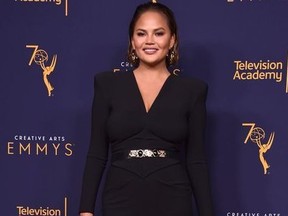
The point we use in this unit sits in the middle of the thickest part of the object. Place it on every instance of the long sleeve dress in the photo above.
(149, 186)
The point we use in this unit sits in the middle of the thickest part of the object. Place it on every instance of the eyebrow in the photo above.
(157, 29)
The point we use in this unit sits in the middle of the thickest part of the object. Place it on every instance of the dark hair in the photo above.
(173, 54)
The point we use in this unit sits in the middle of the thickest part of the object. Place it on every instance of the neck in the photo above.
(152, 71)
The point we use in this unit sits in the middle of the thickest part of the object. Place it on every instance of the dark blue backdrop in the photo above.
(44, 138)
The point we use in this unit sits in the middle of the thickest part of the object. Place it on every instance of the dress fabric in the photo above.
(147, 186)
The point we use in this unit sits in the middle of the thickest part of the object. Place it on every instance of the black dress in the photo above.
(152, 186)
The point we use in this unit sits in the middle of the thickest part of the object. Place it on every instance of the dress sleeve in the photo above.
(195, 155)
(98, 150)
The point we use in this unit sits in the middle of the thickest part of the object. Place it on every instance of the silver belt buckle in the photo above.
(140, 153)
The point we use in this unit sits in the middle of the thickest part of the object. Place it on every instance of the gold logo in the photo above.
(261, 70)
(256, 134)
(231, 1)
(40, 56)
(56, 2)
(39, 146)
(42, 211)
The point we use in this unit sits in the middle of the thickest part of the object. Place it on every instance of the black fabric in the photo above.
(147, 186)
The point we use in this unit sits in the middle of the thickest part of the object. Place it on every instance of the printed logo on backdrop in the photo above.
(126, 66)
(40, 57)
(257, 135)
(261, 70)
(39, 146)
(43, 211)
(57, 3)
(231, 213)
(245, 1)
(232, 1)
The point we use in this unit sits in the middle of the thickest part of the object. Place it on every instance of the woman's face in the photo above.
(152, 38)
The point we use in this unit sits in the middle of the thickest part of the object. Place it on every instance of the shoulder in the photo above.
(103, 76)
(110, 82)
(192, 84)
(109, 77)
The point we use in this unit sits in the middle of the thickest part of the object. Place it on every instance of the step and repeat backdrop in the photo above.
(50, 51)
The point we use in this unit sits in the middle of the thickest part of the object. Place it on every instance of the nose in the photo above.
(149, 39)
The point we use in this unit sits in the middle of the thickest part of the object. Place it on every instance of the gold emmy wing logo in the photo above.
(40, 57)
(256, 135)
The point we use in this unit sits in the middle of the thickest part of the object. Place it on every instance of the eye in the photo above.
(140, 34)
(161, 33)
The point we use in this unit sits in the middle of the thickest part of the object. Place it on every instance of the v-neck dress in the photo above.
(152, 186)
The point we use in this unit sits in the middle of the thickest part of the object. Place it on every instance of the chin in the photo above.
(153, 62)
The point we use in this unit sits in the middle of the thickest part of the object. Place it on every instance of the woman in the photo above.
(146, 116)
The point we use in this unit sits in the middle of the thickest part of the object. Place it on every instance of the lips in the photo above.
(150, 50)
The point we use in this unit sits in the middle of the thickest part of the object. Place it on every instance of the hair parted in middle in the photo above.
(173, 54)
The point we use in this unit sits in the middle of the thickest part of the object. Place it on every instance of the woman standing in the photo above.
(146, 116)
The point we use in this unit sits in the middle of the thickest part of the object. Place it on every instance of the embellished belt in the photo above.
(145, 153)
(139, 153)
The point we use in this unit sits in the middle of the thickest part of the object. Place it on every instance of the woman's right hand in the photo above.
(86, 214)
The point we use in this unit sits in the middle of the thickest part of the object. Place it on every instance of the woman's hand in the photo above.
(86, 214)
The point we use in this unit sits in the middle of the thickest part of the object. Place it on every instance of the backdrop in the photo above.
(50, 51)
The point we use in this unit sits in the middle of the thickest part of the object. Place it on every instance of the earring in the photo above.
(134, 57)
(171, 57)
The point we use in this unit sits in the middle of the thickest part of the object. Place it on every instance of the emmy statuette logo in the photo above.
(257, 135)
(40, 57)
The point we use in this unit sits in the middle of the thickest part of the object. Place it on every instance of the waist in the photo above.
(144, 153)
